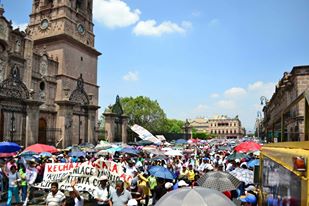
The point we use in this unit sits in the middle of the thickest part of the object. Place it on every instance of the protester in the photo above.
(14, 181)
(23, 184)
(102, 192)
(55, 197)
(31, 175)
(74, 194)
(120, 196)
(136, 191)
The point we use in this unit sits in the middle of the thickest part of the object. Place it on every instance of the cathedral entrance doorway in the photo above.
(42, 131)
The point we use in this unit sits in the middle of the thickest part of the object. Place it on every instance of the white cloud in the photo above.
(131, 76)
(214, 95)
(115, 13)
(226, 104)
(22, 26)
(261, 88)
(150, 28)
(196, 13)
(235, 92)
(213, 22)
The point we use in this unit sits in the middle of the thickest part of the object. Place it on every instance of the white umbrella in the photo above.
(198, 196)
(173, 153)
(244, 175)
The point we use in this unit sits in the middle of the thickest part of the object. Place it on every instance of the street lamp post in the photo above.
(259, 116)
(264, 100)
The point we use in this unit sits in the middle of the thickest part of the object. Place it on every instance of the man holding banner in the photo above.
(102, 192)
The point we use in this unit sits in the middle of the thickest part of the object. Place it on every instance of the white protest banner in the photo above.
(86, 173)
(144, 134)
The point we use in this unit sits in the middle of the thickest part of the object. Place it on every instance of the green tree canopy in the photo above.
(174, 126)
(144, 112)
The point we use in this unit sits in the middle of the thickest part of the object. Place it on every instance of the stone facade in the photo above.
(220, 126)
(278, 116)
(116, 123)
(54, 64)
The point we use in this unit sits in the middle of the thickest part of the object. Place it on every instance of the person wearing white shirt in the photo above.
(102, 192)
(74, 194)
(14, 178)
(130, 169)
(55, 197)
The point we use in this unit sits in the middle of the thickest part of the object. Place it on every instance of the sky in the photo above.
(197, 58)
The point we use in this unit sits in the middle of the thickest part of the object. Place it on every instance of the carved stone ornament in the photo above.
(13, 87)
(43, 66)
(79, 95)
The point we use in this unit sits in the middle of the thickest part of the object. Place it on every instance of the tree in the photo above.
(144, 112)
(174, 126)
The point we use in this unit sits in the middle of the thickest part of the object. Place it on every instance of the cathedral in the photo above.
(48, 75)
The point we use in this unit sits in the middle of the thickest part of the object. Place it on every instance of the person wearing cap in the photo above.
(102, 192)
(168, 186)
(121, 196)
(182, 183)
(74, 194)
(55, 197)
(248, 200)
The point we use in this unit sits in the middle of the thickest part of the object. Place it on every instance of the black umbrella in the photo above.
(221, 181)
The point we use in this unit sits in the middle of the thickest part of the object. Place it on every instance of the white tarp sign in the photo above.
(144, 134)
(86, 173)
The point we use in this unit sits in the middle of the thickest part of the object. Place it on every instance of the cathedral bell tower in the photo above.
(63, 29)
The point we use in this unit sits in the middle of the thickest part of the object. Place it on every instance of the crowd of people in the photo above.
(18, 176)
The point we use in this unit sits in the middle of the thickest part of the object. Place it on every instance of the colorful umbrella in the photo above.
(9, 147)
(38, 148)
(129, 150)
(253, 163)
(87, 145)
(8, 154)
(77, 154)
(198, 196)
(237, 155)
(27, 153)
(45, 154)
(161, 172)
(247, 147)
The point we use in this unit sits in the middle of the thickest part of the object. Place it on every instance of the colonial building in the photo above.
(220, 126)
(48, 75)
(286, 114)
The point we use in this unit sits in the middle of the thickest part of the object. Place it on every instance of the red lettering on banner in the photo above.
(104, 166)
(70, 166)
(65, 166)
(49, 168)
(115, 168)
(54, 168)
(60, 168)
